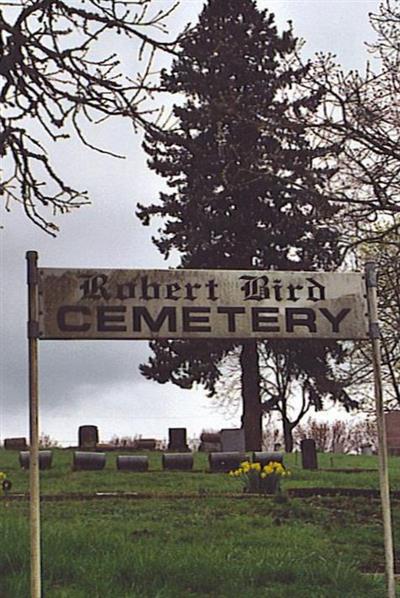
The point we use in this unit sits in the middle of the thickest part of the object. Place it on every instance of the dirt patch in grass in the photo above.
(379, 567)
(356, 492)
(348, 470)
(292, 492)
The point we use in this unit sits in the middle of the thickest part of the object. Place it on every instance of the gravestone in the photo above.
(232, 440)
(85, 461)
(210, 442)
(224, 462)
(88, 437)
(15, 444)
(145, 444)
(308, 454)
(181, 461)
(45, 459)
(132, 463)
(392, 424)
(265, 458)
(177, 440)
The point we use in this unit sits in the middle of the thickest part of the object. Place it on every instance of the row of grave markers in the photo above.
(218, 461)
(226, 440)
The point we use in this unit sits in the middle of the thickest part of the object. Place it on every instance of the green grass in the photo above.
(62, 479)
(213, 547)
(209, 545)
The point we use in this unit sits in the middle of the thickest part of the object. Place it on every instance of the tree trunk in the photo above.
(252, 413)
(288, 435)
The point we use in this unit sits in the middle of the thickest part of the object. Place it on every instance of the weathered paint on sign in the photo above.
(148, 304)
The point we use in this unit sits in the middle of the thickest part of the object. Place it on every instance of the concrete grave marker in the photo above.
(145, 444)
(309, 454)
(15, 444)
(224, 462)
(177, 440)
(210, 442)
(232, 440)
(181, 461)
(132, 463)
(265, 458)
(45, 459)
(84, 461)
(88, 437)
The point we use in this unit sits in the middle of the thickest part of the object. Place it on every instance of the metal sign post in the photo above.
(34, 503)
(371, 282)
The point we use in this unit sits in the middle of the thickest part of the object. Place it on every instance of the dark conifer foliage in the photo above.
(247, 187)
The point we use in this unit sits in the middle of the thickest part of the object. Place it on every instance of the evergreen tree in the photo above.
(248, 188)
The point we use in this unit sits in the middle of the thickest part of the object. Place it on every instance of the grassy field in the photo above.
(189, 537)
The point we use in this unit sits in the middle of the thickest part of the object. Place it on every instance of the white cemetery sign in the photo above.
(148, 304)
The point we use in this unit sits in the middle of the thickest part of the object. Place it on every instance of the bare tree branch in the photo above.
(53, 73)
(361, 118)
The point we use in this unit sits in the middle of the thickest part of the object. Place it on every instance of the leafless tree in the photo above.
(339, 436)
(361, 118)
(386, 253)
(288, 390)
(56, 77)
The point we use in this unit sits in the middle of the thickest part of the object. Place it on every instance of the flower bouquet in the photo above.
(258, 479)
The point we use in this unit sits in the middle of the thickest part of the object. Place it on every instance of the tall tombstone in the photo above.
(232, 440)
(308, 454)
(88, 437)
(177, 440)
(392, 425)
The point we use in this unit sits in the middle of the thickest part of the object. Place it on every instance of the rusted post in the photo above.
(34, 504)
(371, 283)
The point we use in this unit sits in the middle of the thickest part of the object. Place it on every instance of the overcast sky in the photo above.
(98, 382)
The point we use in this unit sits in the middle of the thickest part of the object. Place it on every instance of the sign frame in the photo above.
(95, 304)
(34, 334)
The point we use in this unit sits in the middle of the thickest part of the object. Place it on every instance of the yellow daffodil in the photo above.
(252, 473)
(276, 468)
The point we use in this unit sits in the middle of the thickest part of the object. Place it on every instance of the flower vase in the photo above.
(270, 484)
(252, 484)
